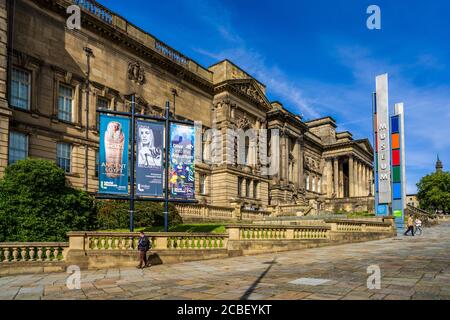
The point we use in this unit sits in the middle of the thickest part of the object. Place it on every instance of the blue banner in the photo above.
(114, 138)
(149, 158)
(181, 168)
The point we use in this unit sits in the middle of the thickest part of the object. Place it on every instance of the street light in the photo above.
(174, 94)
(89, 54)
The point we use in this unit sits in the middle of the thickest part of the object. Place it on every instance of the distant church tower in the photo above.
(439, 166)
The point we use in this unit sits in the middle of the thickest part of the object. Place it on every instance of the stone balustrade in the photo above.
(277, 232)
(115, 249)
(32, 251)
(206, 212)
(122, 241)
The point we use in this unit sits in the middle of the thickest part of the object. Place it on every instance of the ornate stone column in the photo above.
(341, 179)
(366, 182)
(329, 177)
(282, 155)
(301, 176)
(350, 177)
(286, 159)
(336, 176)
(356, 173)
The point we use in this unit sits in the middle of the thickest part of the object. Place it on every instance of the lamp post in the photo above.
(89, 54)
(174, 94)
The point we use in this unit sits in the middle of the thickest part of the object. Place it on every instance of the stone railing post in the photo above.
(290, 234)
(77, 241)
(233, 233)
(334, 226)
(205, 211)
(161, 243)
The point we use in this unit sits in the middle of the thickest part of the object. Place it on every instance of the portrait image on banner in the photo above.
(181, 168)
(114, 138)
(149, 158)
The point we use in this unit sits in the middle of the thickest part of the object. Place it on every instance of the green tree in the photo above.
(434, 192)
(114, 214)
(36, 204)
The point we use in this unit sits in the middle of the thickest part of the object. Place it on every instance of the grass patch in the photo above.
(190, 227)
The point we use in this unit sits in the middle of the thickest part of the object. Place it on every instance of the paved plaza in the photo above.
(411, 268)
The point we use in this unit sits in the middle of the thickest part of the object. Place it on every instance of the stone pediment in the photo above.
(245, 88)
(365, 145)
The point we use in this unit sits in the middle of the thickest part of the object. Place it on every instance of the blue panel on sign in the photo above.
(376, 182)
(394, 124)
(382, 209)
(397, 191)
(397, 205)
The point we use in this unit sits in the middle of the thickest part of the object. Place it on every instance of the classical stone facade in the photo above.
(56, 119)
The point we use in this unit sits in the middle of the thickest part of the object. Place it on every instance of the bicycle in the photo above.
(418, 230)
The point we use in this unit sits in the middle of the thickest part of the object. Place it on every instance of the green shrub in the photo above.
(37, 205)
(114, 214)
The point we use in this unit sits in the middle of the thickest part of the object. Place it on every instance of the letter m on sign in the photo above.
(383, 176)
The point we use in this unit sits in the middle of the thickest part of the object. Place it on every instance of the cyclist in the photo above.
(418, 223)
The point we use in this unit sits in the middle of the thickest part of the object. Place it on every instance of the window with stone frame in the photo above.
(63, 156)
(65, 102)
(240, 181)
(18, 146)
(20, 96)
(319, 185)
(203, 178)
(248, 184)
(307, 182)
(102, 103)
(255, 189)
(97, 163)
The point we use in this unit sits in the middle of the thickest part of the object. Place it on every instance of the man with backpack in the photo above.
(143, 247)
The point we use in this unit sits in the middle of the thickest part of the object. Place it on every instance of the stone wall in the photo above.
(5, 112)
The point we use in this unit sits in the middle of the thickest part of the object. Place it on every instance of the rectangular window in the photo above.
(97, 163)
(247, 189)
(240, 187)
(20, 89)
(255, 189)
(63, 156)
(102, 103)
(65, 103)
(202, 184)
(18, 146)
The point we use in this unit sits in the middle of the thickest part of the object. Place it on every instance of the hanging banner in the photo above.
(149, 156)
(113, 171)
(181, 168)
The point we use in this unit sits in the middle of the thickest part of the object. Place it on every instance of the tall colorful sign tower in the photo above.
(382, 161)
(398, 165)
(389, 160)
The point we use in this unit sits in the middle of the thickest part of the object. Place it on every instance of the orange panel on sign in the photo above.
(395, 141)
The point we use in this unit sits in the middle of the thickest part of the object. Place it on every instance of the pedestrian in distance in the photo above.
(410, 225)
(143, 247)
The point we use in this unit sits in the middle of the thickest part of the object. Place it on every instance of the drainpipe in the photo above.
(89, 54)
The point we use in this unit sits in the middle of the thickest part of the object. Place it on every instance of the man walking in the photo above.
(143, 247)
(410, 225)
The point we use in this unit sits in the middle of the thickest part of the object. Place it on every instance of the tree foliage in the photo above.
(36, 204)
(434, 192)
(115, 214)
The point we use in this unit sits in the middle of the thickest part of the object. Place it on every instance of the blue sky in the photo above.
(319, 58)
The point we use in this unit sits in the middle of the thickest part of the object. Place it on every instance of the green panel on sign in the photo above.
(398, 213)
(396, 174)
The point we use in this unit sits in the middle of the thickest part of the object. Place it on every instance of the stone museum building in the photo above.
(52, 79)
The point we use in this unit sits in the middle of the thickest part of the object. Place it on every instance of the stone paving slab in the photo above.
(411, 268)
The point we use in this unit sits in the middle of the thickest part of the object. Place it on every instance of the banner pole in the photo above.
(166, 171)
(132, 164)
